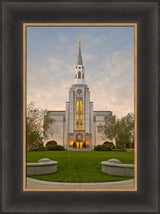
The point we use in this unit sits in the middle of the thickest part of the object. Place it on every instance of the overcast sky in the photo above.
(108, 58)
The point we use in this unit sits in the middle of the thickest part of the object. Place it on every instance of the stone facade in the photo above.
(76, 127)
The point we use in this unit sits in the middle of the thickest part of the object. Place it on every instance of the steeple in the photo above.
(79, 58)
(79, 70)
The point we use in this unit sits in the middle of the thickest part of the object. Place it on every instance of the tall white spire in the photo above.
(79, 74)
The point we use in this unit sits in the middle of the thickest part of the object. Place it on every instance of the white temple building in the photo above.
(78, 123)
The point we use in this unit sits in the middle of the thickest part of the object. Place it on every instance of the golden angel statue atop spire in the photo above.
(79, 42)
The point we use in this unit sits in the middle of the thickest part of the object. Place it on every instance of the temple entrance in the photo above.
(79, 141)
(79, 145)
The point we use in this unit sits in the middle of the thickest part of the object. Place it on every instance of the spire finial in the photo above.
(79, 42)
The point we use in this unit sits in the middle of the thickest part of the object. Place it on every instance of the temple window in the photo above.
(71, 138)
(79, 114)
(87, 140)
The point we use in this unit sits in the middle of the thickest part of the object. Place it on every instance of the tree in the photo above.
(35, 127)
(108, 129)
(122, 129)
(33, 137)
(46, 125)
(74, 145)
(84, 145)
(125, 130)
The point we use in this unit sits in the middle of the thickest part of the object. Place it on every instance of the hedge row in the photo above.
(49, 148)
(102, 148)
(105, 148)
(55, 148)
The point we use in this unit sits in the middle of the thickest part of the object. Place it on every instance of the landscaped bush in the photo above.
(119, 148)
(55, 148)
(128, 145)
(102, 148)
(41, 148)
(109, 144)
(84, 145)
(52, 142)
(74, 145)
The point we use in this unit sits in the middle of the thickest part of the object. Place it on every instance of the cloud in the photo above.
(119, 63)
(49, 82)
(109, 69)
(110, 94)
(48, 87)
(88, 56)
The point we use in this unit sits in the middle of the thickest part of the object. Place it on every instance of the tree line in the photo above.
(121, 129)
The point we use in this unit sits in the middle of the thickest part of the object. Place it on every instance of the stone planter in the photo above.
(116, 168)
(44, 166)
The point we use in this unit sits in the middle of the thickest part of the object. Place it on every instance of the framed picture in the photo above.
(40, 34)
(78, 127)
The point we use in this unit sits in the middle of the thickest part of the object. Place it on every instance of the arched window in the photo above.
(79, 75)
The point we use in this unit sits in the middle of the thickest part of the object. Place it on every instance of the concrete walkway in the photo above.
(38, 184)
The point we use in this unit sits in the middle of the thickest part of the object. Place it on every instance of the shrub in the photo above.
(102, 148)
(109, 144)
(113, 147)
(128, 145)
(55, 148)
(74, 145)
(51, 143)
(41, 144)
(84, 145)
(109, 149)
(41, 148)
(119, 147)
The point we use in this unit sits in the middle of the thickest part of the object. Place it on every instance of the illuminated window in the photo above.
(87, 140)
(79, 114)
(71, 139)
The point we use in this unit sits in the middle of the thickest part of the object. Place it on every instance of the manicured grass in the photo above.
(80, 166)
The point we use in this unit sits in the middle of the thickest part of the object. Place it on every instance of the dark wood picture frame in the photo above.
(146, 16)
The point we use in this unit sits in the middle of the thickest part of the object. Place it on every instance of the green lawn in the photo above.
(80, 166)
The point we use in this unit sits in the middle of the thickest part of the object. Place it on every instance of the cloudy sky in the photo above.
(108, 58)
